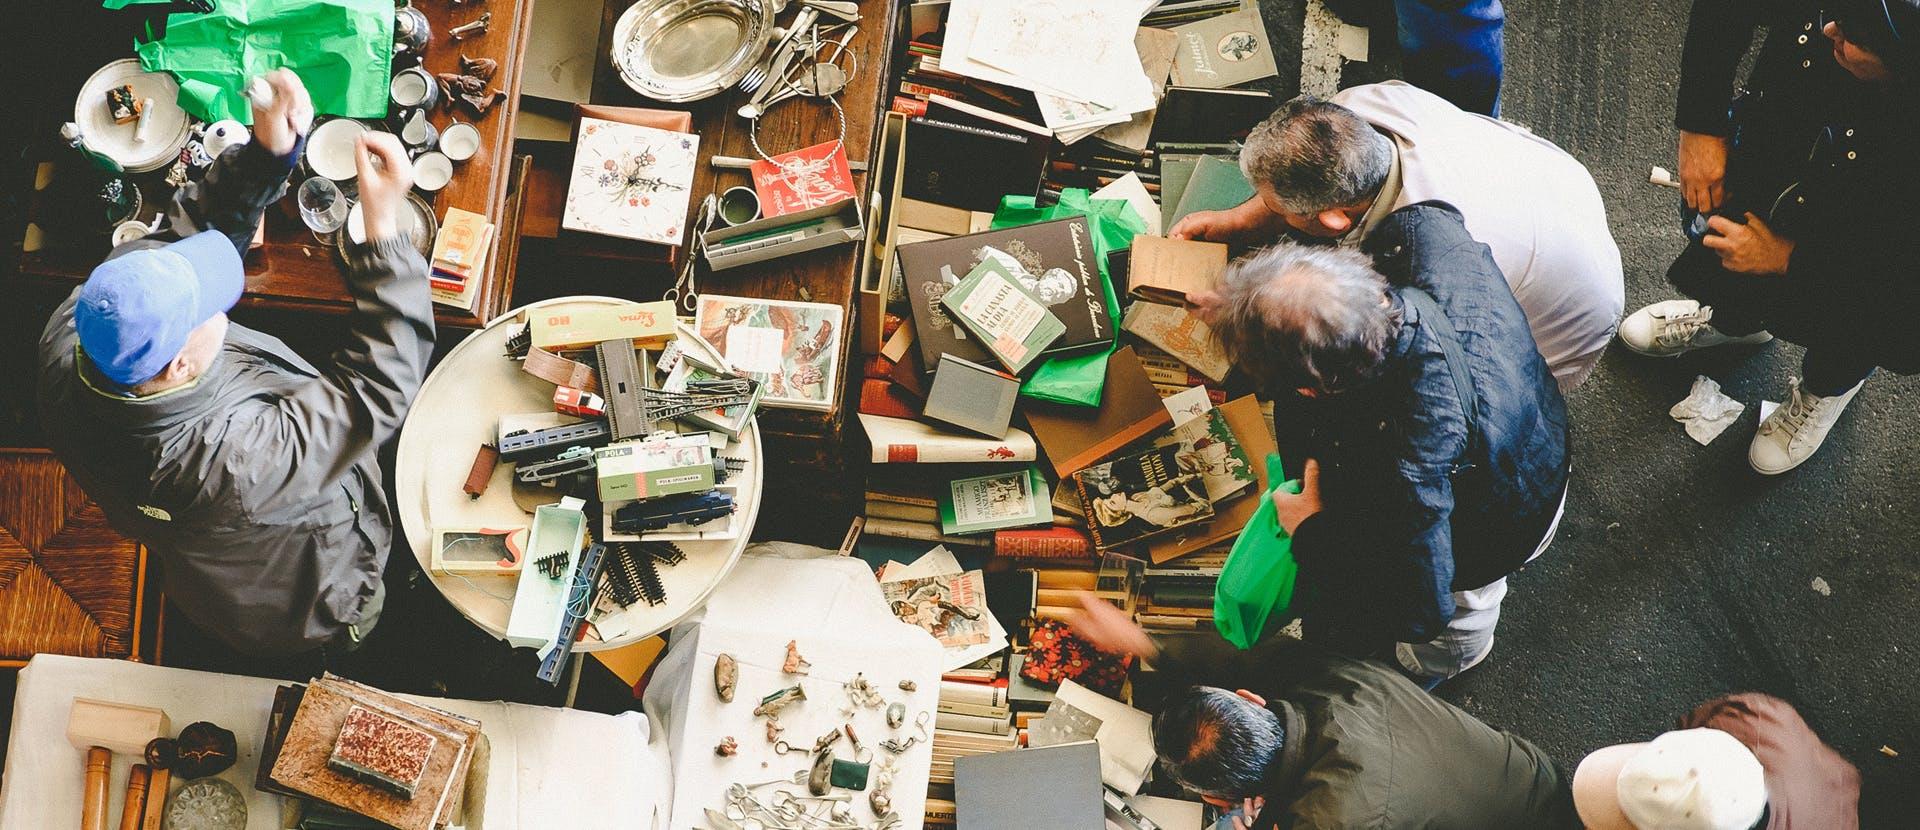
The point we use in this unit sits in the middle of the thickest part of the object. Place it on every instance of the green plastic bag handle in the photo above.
(1256, 585)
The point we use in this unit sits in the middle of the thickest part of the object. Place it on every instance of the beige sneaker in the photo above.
(1794, 431)
(1675, 327)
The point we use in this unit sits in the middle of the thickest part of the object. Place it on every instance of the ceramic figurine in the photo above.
(774, 729)
(727, 748)
(482, 68)
(795, 664)
(779, 700)
(909, 686)
(896, 715)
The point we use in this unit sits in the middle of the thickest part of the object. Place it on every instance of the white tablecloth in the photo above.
(550, 767)
(832, 607)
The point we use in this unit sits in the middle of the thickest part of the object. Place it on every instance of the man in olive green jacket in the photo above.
(1314, 740)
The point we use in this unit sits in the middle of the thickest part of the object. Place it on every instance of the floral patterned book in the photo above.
(630, 181)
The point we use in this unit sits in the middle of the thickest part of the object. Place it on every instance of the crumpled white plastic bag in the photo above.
(1706, 412)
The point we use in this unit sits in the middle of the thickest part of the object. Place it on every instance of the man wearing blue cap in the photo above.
(248, 471)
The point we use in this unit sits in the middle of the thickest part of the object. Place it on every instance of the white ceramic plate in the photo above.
(331, 147)
(167, 127)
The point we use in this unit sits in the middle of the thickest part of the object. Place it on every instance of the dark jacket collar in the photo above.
(1285, 771)
(154, 412)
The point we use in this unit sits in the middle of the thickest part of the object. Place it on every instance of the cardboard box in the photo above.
(650, 469)
(778, 236)
(649, 325)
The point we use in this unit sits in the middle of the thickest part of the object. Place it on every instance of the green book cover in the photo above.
(1018, 498)
(1217, 184)
(1013, 323)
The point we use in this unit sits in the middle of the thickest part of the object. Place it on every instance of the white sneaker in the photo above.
(1675, 327)
(1794, 431)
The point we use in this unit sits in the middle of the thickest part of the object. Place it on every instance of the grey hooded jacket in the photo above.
(256, 484)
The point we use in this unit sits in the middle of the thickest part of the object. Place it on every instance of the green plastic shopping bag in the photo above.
(1256, 585)
(341, 49)
(1076, 380)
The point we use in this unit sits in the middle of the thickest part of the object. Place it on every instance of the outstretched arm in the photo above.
(236, 190)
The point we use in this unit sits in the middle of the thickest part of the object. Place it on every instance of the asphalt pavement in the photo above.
(1679, 573)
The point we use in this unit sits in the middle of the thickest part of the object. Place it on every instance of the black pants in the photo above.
(1744, 304)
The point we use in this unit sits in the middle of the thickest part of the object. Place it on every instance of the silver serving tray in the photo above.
(686, 50)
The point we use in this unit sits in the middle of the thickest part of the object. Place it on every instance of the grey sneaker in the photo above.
(1675, 327)
(1794, 431)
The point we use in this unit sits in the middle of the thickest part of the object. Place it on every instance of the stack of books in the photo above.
(1177, 596)
(459, 257)
(971, 706)
(369, 753)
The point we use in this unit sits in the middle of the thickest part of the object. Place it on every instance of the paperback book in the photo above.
(1054, 261)
(951, 607)
(1140, 496)
(792, 349)
(1018, 498)
(1010, 320)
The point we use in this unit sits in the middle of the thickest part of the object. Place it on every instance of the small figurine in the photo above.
(861, 692)
(795, 664)
(820, 778)
(726, 676)
(774, 729)
(896, 715)
(779, 700)
(204, 749)
(909, 686)
(727, 748)
(482, 68)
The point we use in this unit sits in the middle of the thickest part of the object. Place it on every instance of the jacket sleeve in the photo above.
(1719, 33)
(233, 194)
(1208, 660)
(313, 433)
(1382, 573)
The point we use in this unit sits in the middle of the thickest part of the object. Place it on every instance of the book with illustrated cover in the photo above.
(1009, 319)
(1224, 51)
(630, 181)
(951, 607)
(1206, 445)
(1248, 423)
(1177, 332)
(804, 179)
(792, 349)
(1053, 260)
(1140, 496)
(1019, 498)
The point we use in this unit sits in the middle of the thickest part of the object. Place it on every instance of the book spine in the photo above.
(911, 107)
(1174, 623)
(919, 532)
(973, 723)
(973, 710)
(1064, 579)
(934, 452)
(875, 496)
(982, 695)
(1043, 544)
(1061, 597)
(880, 397)
(902, 512)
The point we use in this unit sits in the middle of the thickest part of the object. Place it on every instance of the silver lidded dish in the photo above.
(686, 50)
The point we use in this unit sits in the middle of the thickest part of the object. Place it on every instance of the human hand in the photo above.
(1206, 305)
(1207, 226)
(1249, 812)
(1752, 248)
(1703, 170)
(385, 176)
(279, 123)
(1293, 508)
(1110, 629)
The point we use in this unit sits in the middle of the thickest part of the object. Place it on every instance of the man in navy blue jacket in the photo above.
(1435, 437)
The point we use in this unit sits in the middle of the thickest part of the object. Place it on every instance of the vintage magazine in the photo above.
(1019, 498)
(1139, 496)
(791, 348)
(1011, 320)
(951, 607)
(1206, 445)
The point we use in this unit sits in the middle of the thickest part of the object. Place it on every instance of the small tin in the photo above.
(739, 205)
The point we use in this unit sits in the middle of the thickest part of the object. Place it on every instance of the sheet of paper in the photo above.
(1187, 404)
(1130, 189)
(1351, 40)
(1125, 735)
(754, 348)
(1084, 48)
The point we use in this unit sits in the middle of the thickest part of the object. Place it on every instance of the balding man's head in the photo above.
(1216, 743)
(1310, 318)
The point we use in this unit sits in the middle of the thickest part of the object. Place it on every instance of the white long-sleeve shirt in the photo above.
(1536, 206)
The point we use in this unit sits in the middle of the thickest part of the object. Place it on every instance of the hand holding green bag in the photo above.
(1256, 585)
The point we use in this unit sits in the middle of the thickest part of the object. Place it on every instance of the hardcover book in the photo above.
(1009, 320)
(1167, 270)
(1053, 260)
(1224, 51)
(1256, 441)
(803, 179)
(951, 607)
(970, 166)
(900, 441)
(1019, 498)
(1174, 331)
(970, 396)
(1137, 497)
(792, 349)
(1206, 445)
(1216, 184)
(1189, 114)
(630, 181)
(1077, 436)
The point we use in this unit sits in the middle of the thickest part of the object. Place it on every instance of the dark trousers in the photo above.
(1744, 304)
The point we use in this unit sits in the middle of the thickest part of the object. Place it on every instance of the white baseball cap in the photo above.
(1692, 779)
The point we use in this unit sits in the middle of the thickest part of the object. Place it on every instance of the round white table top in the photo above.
(458, 409)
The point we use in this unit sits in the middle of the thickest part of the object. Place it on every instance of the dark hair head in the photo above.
(1317, 156)
(1217, 743)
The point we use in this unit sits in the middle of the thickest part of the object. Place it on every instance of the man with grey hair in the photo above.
(1309, 739)
(1335, 169)
(1434, 437)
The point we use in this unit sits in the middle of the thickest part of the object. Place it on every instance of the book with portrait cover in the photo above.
(1140, 496)
(951, 607)
(1018, 498)
(1224, 51)
(1053, 260)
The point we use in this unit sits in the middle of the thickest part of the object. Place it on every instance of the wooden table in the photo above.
(292, 270)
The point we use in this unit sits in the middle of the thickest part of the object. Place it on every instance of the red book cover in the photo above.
(1043, 543)
(882, 397)
(910, 106)
(803, 179)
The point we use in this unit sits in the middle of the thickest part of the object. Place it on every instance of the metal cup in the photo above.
(414, 87)
(460, 141)
(739, 205)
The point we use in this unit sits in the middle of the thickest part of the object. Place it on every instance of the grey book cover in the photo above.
(1052, 787)
(971, 396)
(1224, 51)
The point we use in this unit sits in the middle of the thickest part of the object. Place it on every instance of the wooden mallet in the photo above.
(100, 728)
